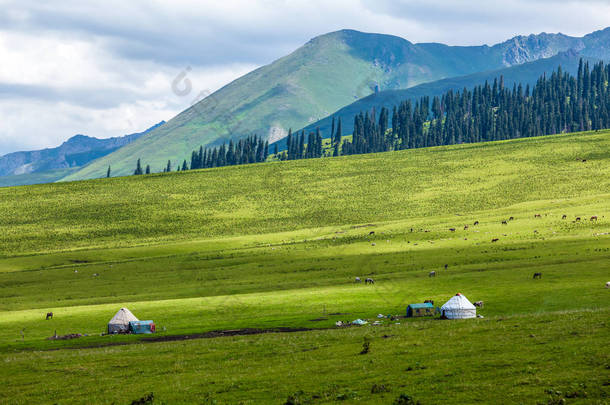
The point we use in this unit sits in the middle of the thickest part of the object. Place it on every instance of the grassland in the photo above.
(279, 244)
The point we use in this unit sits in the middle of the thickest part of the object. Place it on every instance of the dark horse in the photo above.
(537, 275)
(49, 315)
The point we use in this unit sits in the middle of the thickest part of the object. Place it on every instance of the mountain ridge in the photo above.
(78, 150)
(527, 73)
(325, 74)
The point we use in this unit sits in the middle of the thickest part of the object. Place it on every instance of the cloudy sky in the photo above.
(113, 67)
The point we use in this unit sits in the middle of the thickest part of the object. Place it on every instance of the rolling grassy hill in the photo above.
(279, 244)
(326, 74)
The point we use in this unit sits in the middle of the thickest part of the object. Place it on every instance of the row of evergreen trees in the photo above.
(297, 149)
(252, 149)
(557, 103)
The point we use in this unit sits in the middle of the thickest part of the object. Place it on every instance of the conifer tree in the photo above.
(138, 170)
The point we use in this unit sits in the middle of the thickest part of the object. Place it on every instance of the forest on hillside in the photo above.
(489, 112)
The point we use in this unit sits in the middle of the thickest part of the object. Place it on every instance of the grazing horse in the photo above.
(357, 280)
(564, 216)
(478, 304)
(594, 218)
(476, 223)
(432, 274)
(452, 229)
(495, 240)
(372, 233)
(504, 223)
(369, 281)
(49, 315)
(537, 275)
(446, 266)
(511, 218)
(465, 227)
(577, 218)
(537, 216)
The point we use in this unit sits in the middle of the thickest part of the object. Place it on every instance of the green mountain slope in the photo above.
(528, 73)
(317, 79)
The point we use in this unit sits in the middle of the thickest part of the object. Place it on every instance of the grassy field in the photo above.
(279, 244)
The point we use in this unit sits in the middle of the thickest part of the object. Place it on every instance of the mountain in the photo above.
(326, 74)
(77, 151)
(527, 73)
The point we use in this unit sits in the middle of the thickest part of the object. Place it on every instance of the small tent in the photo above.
(120, 322)
(458, 307)
(425, 309)
(138, 327)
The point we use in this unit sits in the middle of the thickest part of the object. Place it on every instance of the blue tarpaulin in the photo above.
(142, 327)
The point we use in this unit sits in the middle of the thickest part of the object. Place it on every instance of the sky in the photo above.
(114, 67)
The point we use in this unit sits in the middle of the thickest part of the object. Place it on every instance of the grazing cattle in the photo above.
(564, 216)
(452, 229)
(584, 160)
(429, 302)
(446, 266)
(594, 218)
(357, 280)
(537, 216)
(465, 227)
(608, 284)
(432, 274)
(478, 304)
(369, 281)
(511, 218)
(577, 219)
(537, 275)
(504, 223)
(495, 240)
(49, 315)
(476, 222)
(372, 233)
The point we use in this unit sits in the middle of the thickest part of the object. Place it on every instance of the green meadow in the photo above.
(278, 245)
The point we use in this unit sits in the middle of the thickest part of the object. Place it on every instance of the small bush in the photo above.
(366, 346)
(405, 399)
(145, 400)
(378, 388)
(298, 398)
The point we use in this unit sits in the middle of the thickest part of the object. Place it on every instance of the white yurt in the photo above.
(458, 307)
(120, 322)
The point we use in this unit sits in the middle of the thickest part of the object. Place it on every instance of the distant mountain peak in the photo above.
(78, 150)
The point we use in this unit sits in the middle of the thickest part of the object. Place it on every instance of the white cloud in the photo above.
(106, 68)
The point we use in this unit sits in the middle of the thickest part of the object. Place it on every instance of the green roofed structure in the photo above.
(416, 310)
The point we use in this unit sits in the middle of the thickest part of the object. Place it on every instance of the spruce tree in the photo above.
(147, 169)
(108, 172)
(138, 170)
